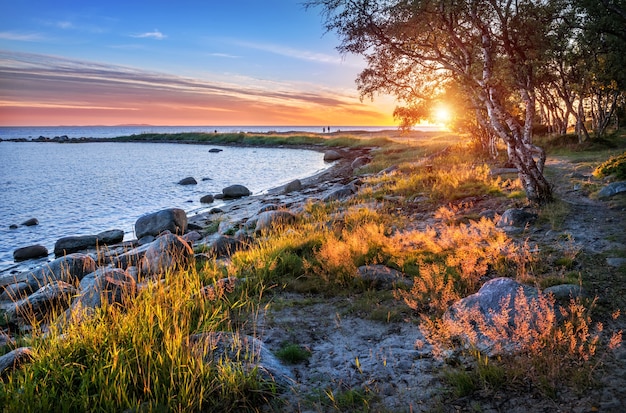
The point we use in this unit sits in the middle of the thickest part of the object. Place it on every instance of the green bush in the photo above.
(616, 166)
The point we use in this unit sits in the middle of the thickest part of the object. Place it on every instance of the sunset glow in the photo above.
(165, 65)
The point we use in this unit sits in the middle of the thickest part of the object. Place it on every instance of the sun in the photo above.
(442, 114)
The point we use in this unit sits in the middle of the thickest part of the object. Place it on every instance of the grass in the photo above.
(137, 358)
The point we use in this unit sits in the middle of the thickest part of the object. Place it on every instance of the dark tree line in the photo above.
(510, 64)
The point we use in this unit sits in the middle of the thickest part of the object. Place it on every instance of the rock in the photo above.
(563, 293)
(13, 226)
(165, 254)
(612, 189)
(17, 291)
(235, 191)
(389, 170)
(68, 245)
(221, 286)
(30, 222)
(70, 268)
(110, 285)
(207, 199)
(332, 155)
(293, 186)
(13, 359)
(268, 219)
(41, 304)
(488, 214)
(225, 246)
(190, 180)
(340, 193)
(172, 219)
(215, 150)
(483, 307)
(516, 217)
(192, 237)
(227, 347)
(616, 262)
(383, 277)
(32, 251)
(360, 162)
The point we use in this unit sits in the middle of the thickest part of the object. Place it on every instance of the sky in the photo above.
(211, 62)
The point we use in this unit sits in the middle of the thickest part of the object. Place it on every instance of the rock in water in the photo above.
(172, 219)
(190, 180)
(27, 253)
(30, 222)
(235, 191)
(332, 155)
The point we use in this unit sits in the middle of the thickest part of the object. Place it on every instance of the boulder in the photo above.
(225, 246)
(165, 254)
(383, 277)
(332, 155)
(612, 189)
(172, 219)
(68, 245)
(70, 268)
(340, 193)
(251, 353)
(207, 199)
(13, 359)
(215, 150)
(268, 219)
(108, 285)
(293, 186)
(32, 251)
(563, 293)
(17, 291)
(470, 315)
(190, 180)
(30, 222)
(516, 217)
(40, 305)
(360, 162)
(235, 191)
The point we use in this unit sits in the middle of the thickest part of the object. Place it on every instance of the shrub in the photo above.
(615, 166)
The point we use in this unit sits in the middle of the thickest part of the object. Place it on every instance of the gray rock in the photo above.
(332, 155)
(340, 193)
(165, 254)
(30, 222)
(215, 150)
(616, 262)
(225, 246)
(207, 199)
(612, 189)
(172, 219)
(17, 291)
(389, 170)
(190, 180)
(13, 226)
(14, 359)
(40, 305)
(70, 268)
(360, 162)
(383, 277)
(32, 251)
(516, 217)
(488, 302)
(563, 293)
(293, 186)
(235, 191)
(251, 353)
(68, 245)
(110, 285)
(268, 219)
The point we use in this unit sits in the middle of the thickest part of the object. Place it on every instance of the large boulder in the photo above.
(247, 351)
(516, 217)
(207, 199)
(612, 189)
(165, 254)
(70, 268)
(269, 219)
(235, 191)
(30, 252)
(49, 299)
(173, 220)
(332, 155)
(338, 194)
(105, 285)
(476, 317)
(383, 277)
(225, 246)
(293, 186)
(68, 245)
(13, 359)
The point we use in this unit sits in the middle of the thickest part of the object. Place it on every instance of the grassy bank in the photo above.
(423, 220)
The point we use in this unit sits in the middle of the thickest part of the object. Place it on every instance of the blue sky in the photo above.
(176, 62)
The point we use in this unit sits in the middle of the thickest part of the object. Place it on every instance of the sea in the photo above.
(89, 187)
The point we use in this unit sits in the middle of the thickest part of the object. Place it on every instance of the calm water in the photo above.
(86, 188)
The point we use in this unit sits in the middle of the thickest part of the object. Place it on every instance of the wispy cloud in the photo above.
(291, 52)
(156, 34)
(21, 37)
(225, 55)
(50, 84)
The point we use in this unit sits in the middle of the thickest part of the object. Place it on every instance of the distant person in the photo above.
(324, 130)
(329, 129)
